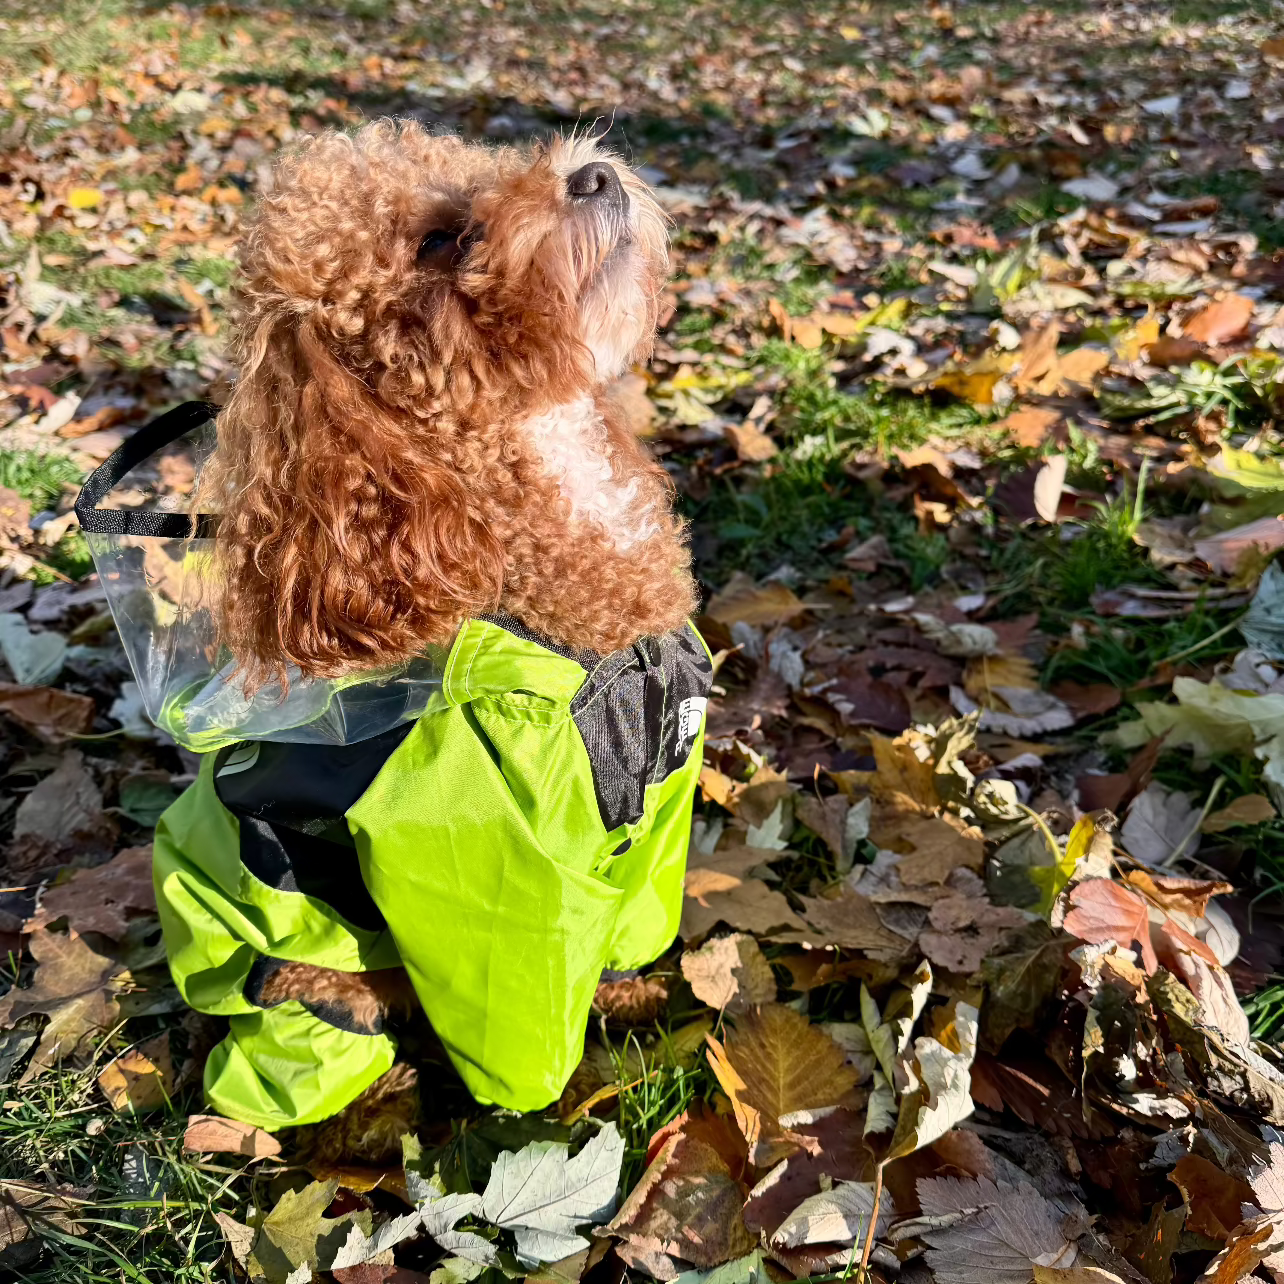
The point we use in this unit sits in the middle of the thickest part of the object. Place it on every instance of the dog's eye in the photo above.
(438, 240)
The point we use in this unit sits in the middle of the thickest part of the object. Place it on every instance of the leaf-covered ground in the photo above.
(968, 381)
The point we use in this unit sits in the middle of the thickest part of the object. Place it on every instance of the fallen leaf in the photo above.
(748, 905)
(965, 931)
(140, 1079)
(212, 1134)
(775, 1062)
(34, 659)
(685, 1209)
(1185, 895)
(1248, 809)
(743, 601)
(1104, 911)
(1029, 427)
(730, 973)
(75, 987)
(296, 1233)
(51, 713)
(1220, 321)
(851, 922)
(835, 1216)
(106, 898)
(1212, 1196)
(1226, 550)
(750, 442)
(541, 1194)
(1161, 825)
(939, 1092)
(979, 1231)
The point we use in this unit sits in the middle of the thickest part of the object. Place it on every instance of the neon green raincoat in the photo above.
(507, 820)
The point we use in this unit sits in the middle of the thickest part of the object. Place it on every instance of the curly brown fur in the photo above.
(418, 434)
(368, 998)
(370, 1128)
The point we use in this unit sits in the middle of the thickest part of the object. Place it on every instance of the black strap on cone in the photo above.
(168, 427)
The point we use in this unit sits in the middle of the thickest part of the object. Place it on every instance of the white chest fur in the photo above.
(573, 443)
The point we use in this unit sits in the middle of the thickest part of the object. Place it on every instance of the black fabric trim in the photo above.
(163, 430)
(265, 966)
(290, 805)
(629, 712)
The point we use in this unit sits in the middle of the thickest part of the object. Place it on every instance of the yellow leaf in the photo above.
(1079, 368)
(1052, 879)
(974, 386)
(84, 198)
(744, 602)
(773, 1063)
(806, 333)
(1136, 339)
(985, 672)
(140, 1079)
(851, 33)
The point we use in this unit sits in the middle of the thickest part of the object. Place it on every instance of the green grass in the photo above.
(58, 1127)
(38, 477)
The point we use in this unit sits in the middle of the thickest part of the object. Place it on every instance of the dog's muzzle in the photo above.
(598, 184)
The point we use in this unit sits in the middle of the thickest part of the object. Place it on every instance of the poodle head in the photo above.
(420, 430)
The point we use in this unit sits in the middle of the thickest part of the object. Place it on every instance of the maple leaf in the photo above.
(212, 1134)
(1104, 911)
(296, 1233)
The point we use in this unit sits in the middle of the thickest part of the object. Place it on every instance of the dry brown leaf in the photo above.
(850, 922)
(106, 898)
(685, 1210)
(1168, 892)
(1213, 1196)
(1221, 320)
(806, 333)
(751, 443)
(775, 1062)
(1249, 809)
(1104, 911)
(934, 847)
(140, 1079)
(75, 987)
(1038, 355)
(1226, 550)
(719, 788)
(212, 1134)
(965, 931)
(842, 325)
(824, 817)
(901, 776)
(730, 973)
(743, 601)
(748, 906)
(1029, 427)
(51, 713)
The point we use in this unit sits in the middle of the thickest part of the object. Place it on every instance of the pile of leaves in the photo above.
(968, 379)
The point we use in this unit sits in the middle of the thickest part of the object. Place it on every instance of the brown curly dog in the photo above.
(420, 433)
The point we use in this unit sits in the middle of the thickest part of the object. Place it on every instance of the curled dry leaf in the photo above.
(212, 1134)
(939, 1092)
(730, 973)
(836, 1216)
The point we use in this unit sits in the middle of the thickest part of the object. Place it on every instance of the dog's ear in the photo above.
(348, 540)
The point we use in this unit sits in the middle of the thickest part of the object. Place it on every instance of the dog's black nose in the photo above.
(596, 181)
